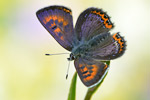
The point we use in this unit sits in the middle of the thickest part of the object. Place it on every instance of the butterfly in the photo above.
(89, 42)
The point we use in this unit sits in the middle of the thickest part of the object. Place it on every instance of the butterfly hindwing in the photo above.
(90, 72)
(111, 47)
(58, 21)
(92, 22)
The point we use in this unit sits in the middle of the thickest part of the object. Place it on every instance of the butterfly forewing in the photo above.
(90, 71)
(58, 21)
(92, 22)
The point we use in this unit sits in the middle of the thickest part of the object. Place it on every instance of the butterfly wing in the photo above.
(92, 22)
(91, 72)
(106, 47)
(58, 21)
(93, 26)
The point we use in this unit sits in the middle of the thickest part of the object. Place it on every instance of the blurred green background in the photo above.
(27, 74)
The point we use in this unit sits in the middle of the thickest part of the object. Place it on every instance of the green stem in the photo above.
(72, 91)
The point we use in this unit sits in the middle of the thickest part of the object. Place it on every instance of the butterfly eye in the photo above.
(72, 57)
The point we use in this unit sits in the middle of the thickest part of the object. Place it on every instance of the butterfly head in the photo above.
(72, 57)
(80, 51)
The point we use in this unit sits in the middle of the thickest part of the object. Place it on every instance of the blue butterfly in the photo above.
(90, 42)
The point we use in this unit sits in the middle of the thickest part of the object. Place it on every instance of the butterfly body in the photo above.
(89, 42)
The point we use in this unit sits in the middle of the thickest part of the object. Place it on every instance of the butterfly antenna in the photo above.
(68, 70)
(56, 54)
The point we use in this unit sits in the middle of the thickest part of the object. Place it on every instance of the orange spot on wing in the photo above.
(98, 13)
(68, 11)
(54, 18)
(92, 75)
(84, 69)
(93, 12)
(103, 18)
(65, 23)
(52, 25)
(62, 38)
(47, 19)
(119, 41)
(57, 30)
(114, 36)
(108, 26)
(89, 77)
(95, 68)
(60, 19)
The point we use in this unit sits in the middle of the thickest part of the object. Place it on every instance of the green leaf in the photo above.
(92, 90)
(72, 91)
